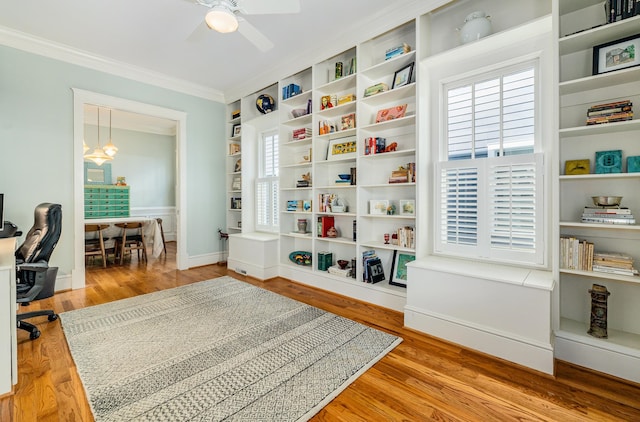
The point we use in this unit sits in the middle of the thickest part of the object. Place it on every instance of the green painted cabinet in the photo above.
(102, 201)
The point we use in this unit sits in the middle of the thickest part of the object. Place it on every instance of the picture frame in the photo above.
(391, 113)
(342, 148)
(378, 206)
(575, 167)
(236, 131)
(616, 55)
(403, 76)
(407, 207)
(348, 121)
(398, 275)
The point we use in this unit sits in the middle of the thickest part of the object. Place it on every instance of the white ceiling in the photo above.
(155, 36)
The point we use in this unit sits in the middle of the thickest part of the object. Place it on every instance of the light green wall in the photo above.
(147, 160)
(36, 139)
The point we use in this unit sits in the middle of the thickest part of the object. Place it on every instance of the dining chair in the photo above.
(132, 239)
(164, 244)
(94, 242)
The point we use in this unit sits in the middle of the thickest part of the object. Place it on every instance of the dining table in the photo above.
(151, 229)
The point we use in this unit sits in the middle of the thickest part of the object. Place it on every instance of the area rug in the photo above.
(216, 350)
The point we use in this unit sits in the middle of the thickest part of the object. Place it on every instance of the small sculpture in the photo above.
(391, 147)
(332, 232)
(598, 326)
(391, 209)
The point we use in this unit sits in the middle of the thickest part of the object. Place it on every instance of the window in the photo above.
(267, 183)
(489, 193)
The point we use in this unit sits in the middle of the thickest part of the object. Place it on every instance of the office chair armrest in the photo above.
(33, 266)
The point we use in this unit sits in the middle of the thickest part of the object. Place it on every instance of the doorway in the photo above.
(82, 98)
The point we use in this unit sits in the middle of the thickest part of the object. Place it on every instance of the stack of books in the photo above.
(336, 270)
(618, 111)
(618, 10)
(301, 133)
(613, 263)
(576, 254)
(608, 215)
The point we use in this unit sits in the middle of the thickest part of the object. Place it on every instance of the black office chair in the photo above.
(36, 280)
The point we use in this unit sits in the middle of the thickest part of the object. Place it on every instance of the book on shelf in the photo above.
(610, 112)
(325, 260)
(576, 254)
(606, 211)
(617, 271)
(608, 220)
(373, 272)
(325, 222)
(336, 270)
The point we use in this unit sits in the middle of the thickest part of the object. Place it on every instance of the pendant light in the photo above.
(110, 149)
(98, 156)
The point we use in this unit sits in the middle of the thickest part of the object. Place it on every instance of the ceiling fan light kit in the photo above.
(221, 19)
(227, 16)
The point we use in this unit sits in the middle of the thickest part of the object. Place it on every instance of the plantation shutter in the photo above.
(267, 185)
(489, 186)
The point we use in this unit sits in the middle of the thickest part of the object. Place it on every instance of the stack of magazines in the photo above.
(608, 215)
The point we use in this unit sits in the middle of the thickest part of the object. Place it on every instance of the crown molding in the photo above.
(21, 41)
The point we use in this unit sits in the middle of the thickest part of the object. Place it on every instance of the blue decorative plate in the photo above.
(300, 258)
(265, 103)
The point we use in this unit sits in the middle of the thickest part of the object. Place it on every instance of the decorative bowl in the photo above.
(344, 176)
(606, 201)
(342, 263)
(300, 258)
(298, 112)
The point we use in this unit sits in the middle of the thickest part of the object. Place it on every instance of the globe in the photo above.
(265, 103)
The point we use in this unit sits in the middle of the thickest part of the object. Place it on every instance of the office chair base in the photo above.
(34, 332)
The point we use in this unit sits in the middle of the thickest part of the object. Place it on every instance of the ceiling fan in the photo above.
(226, 16)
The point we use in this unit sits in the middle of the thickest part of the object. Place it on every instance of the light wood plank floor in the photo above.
(421, 379)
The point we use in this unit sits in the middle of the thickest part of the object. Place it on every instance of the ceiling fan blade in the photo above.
(256, 37)
(262, 7)
(199, 34)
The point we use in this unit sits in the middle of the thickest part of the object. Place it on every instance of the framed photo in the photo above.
(391, 113)
(236, 130)
(403, 76)
(573, 167)
(342, 148)
(378, 206)
(348, 121)
(407, 207)
(616, 55)
(236, 184)
(399, 268)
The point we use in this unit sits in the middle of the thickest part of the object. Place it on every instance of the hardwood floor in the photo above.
(421, 379)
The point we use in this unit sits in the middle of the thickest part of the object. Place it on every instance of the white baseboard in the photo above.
(484, 339)
(619, 364)
(250, 269)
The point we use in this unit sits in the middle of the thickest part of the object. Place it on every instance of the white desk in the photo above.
(151, 230)
(8, 309)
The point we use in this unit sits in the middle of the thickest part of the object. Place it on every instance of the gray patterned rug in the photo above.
(216, 350)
